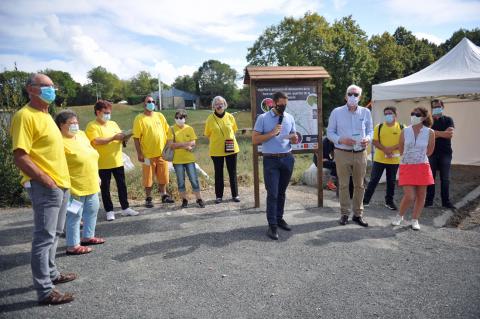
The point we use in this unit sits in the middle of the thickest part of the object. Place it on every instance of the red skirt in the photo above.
(415, 175)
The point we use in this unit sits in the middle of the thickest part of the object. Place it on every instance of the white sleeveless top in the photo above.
(415, 149)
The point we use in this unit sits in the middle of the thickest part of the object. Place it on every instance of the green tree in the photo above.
(143, 84)
(389, 57)
(107, 85)
(473, 35)
(67, 87)
(215, 78)
(185, 83)
(12, 97)
(341, 48)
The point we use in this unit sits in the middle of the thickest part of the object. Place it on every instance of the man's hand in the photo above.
(347, 141)
(140, 157)
(48, 182)
(364, 142)
(276, 130)
(449, 132)
(294, 138)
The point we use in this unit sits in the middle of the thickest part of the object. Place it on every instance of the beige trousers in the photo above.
(354, 164)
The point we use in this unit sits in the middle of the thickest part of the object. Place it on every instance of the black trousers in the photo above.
(377, 171)
(442, 163)
(105, 177)
(231, 161)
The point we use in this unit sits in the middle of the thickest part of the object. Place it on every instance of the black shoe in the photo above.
(448, 205)
(184, 203)
(359, 220)
(272, 232)
(218, 200)
(148, 202)
(428, 204)
(343, 220)
(201, 203)
(167, 199)
(391, 206)
(236, 199)
(366, 204)
(283, 225)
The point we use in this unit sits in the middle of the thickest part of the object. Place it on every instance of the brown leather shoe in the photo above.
(65, 277)
(57, 298)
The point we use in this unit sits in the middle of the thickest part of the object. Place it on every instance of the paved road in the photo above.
(218, 263)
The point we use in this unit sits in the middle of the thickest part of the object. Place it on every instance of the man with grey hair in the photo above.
(39, 154)
(350, 128)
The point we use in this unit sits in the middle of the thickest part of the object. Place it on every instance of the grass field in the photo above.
(125, 114)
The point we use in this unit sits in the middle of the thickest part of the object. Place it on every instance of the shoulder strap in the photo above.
(173, 133)
(214, 117)
(379, 128)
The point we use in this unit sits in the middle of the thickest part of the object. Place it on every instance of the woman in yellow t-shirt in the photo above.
(220, 129)
(82, 161)
(183, 143)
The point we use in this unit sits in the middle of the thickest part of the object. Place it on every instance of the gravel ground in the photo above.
(217, 263)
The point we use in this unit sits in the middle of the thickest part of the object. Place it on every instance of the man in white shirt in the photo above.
(350, 128)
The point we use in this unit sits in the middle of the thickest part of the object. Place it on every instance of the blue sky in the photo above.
(174, 38)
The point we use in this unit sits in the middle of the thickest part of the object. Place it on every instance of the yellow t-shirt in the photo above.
(152, 132)
(82, 160)
(389, 136)
(111, 153)
(36, 133)
(182, 135)
(218, 130)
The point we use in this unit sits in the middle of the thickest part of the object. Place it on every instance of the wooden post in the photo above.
(320, 145)
(256, 177)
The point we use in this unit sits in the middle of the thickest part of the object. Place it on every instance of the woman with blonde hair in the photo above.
(220, 129)
(417, 142)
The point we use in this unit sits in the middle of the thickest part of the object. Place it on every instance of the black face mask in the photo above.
(280, 108)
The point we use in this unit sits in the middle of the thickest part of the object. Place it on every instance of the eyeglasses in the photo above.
(150, 101)
(354, 94)
(180, 117)
(416, 114)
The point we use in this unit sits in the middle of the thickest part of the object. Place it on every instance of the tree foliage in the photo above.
(215, 78)
(185, 83)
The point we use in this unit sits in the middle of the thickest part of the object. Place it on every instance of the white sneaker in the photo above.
(397, 220)
(110, 216)
(129, 212)
(415, 224)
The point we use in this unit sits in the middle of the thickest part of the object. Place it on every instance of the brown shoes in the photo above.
(65, 277)
(57, 298)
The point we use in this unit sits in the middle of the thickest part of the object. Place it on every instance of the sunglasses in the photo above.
(180, 117)
(150, 101)
(354, 94)
(416, 114)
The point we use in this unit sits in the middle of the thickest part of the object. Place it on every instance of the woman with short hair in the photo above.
(82, 160)
(417, 142)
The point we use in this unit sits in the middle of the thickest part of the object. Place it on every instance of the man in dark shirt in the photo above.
(441, 158)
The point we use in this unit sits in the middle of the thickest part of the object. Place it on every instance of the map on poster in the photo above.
(302, 105)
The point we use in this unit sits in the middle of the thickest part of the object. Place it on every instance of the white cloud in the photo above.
(430, 37)
(434, 12)
(339, 4)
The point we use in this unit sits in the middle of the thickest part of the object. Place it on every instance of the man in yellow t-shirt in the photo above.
(38, 153)
(150, 136)
(106, 137)
(386, 137)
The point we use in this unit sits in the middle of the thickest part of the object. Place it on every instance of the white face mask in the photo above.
(73, 128)
(180, 122)
(352, 101)
(415, 120)
(106, 117)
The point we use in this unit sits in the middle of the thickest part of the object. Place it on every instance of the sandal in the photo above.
(92, 241)
(79, 250)
(57, 298)
(65, 277)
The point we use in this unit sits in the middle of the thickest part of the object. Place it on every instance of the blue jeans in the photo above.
(180, 170)
(49, 208)
(88, 212)
(276, 174)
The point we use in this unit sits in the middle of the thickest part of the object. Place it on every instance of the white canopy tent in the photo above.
(454, 78)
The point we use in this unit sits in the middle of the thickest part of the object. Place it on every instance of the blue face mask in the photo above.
(47, 94)
(437, 111)
(389, 118)
(150, 106)
(106, 117)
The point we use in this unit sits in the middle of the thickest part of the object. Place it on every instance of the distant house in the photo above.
(177, 99)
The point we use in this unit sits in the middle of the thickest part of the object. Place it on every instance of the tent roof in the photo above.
(456, 73)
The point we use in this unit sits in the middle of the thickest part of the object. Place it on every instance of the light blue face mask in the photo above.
(437, 111)
(389, 118)
(73, 128)
(47, 94)
(150, 106)
(106, 117)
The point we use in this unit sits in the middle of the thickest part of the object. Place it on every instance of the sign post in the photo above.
(303, 85)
